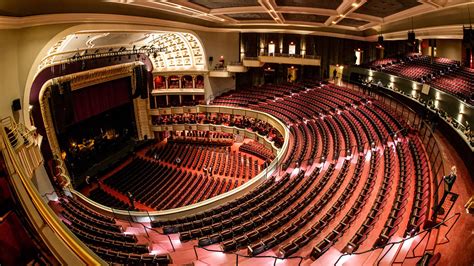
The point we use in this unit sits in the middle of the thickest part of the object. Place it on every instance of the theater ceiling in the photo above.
(352, 17)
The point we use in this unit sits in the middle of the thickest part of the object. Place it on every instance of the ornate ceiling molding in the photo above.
(298, 28)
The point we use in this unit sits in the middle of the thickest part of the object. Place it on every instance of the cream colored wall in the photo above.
(215, 45)
(20, 48)
(425, 50)
(9, 80)
(449, 49)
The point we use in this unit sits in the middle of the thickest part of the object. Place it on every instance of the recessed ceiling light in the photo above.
(334, 22)
(355, 4)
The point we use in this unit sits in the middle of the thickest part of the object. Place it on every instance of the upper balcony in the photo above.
(176, 83)
(290, 59)
(226, 71)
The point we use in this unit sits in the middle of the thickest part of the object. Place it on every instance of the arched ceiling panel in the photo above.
(169, 51)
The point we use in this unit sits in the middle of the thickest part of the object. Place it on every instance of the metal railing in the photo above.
(237, 255)
(435, 157)
(291, 55)
(424, 232)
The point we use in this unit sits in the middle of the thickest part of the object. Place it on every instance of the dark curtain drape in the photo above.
(99, 98)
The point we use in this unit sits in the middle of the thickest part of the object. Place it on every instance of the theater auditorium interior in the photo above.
(237, 132)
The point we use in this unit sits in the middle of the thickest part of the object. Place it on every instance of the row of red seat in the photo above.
(338, 120)
(221, 160)
(102, 234)
(159, 187)
(442, 73)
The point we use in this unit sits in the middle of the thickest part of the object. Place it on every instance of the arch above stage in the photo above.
(168, 50)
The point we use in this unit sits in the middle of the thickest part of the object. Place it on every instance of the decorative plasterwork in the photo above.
(177, 50)
(240, 13)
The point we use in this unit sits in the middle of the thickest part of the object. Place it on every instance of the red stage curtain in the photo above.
(99, 98)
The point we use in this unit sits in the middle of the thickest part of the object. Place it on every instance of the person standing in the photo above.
(448, 186)
(334, 74)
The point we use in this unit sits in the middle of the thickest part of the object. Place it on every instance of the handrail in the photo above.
(291, 55)
(248, 256)
(5, 216)
(46, 214)
(391, 244)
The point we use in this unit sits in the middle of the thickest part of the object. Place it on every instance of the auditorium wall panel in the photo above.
(9, 80)
(20, 48)
(218, 44)
(449, 49)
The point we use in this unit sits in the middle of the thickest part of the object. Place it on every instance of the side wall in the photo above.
(449, 49)
(217, 44)
(20, 46)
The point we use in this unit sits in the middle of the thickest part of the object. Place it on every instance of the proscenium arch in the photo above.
(34, 71)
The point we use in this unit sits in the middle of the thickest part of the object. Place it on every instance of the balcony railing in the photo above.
(291, 55)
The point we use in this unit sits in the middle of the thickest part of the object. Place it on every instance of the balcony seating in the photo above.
(442, 73)
(104, 236)
(258, 150)
(421, 205)
(401, 198)
(377, 206)
(104, 198)
(295, 207)
(131, 258)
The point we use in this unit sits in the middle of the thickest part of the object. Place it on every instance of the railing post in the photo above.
(129, 217)
(195, 252)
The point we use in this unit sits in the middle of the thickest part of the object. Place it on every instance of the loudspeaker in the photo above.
(468, 35)
(211, 58)
(411, 36)
(16, 105)
(467, 57)
(380, 40)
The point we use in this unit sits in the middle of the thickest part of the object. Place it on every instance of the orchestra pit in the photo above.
(246, 132)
